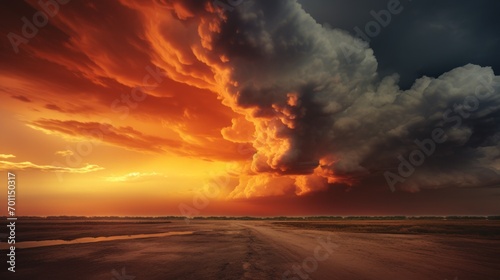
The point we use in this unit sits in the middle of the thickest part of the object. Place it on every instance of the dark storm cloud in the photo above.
(316, 99)
(427, 38)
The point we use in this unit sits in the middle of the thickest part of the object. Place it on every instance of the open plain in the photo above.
(253, 249)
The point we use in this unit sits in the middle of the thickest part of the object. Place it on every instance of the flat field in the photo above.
(244, 249)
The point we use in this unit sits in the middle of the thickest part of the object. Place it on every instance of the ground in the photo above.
(239, 249)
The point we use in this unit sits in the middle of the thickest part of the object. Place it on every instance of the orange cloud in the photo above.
(132, 139)
(126, 137)
(26, 165)
(135, 177)
(7, 156)
(22, 98)
(188, 106)
(64, 153)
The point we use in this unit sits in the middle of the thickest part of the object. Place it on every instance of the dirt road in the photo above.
(328, 255)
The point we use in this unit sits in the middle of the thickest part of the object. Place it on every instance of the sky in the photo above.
(169, 107)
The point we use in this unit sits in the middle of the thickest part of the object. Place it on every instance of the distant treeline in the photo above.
(280, 218)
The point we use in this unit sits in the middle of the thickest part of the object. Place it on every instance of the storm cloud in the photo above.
(322, 112)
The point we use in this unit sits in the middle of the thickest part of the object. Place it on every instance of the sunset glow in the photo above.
(146, 107)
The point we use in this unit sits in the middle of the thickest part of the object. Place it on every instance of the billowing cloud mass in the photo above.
(299, 106)
(322, 114)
